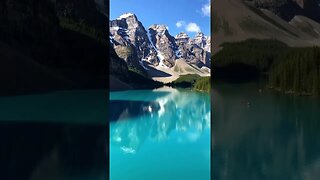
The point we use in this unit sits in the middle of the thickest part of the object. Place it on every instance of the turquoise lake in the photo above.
(161, 134)
(262, 134)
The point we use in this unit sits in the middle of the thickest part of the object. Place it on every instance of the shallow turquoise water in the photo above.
(159, 134)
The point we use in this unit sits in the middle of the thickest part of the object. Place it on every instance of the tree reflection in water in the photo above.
(155, 114)
(277, 137)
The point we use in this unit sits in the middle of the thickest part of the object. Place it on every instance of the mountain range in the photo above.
(294, 22)
(157, 54)
(275, 39)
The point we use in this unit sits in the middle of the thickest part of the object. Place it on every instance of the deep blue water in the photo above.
(264, 135)
(59, 135)
(161, 134)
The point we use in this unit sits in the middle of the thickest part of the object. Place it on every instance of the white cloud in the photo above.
(180, 24)
(192, 27)
(189, 27)
(206, 9)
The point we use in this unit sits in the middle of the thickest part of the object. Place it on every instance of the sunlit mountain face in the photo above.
(156, 117)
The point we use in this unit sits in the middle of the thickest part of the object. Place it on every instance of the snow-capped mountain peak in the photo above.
(182, 35)
(126, 15)
(155, 45)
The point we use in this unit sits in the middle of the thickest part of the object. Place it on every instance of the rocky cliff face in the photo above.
(135, 44)
(287, 9)
(201, 48)
(117, 66)
(194, 50)
(164, 43)
(182, 40)
(130, 40)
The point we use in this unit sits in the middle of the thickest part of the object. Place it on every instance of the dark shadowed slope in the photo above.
(248, 21)
(50, 45)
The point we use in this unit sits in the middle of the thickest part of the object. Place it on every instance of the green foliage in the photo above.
(291, 70)
(257, 53)
(202, 84)
(193, 81)
(189, 78)
(83, 28)
(297, 71)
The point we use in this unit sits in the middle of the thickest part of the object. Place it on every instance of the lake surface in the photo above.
(161, 134)
(264, 135)
(59, 135)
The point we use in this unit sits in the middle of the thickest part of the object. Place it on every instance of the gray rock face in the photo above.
(133, 43)
(200, 39)
(194, 50)
(182, 39)
(201, 48)
(117, 65)
(164, 43)
(208, 45)
(130, 40)
(198, 56)
(287, 9)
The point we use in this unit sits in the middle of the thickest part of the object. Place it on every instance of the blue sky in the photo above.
(188, 16)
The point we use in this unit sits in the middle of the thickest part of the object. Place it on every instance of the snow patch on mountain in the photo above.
(160, 56)
(178, 53)
(124, 16)
(149, 37)
(155, 47)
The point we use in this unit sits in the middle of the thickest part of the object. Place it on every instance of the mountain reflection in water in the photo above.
(141, 116)
(159, 134)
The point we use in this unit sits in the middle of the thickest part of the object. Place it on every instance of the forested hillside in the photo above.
(297, 71)
(52, 45)
(288, 69)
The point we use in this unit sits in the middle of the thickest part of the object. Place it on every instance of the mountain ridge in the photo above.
(155, 49)
(251, 21)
